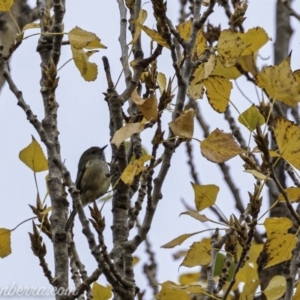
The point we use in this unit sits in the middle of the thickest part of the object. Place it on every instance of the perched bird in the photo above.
(92, 179)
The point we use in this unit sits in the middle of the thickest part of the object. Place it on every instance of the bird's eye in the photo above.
(93, 152)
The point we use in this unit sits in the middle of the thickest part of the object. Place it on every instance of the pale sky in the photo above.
(83, 122)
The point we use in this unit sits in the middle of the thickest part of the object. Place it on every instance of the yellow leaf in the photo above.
(192, 288)
(101, 292)
(195, 89)
(46, 211)
(195, 289)
(205, 2)
(280, 243)
(128, 174)
(5, 5)
(239, 48)
(135, 260)
(276, 288)
(249, 290)
(170, 294)
(293, 194)
(136, 98)
(198, 255)
(185, 29)
(161, 81)
(257, 174)
(251, 118)
(140, 162)
(132, 63)
(297, 75)
(255, 38)
(200, 44)
(148, 107)
(297, 294)
(229, 73)
(280, 83)
(254, 253)
(154, 35)
(80, 38)
(95, 44)
(247, 273)
(33, 157)
(5, 248)
(88, 70)
(196, 215)
(31, 26)
(230, 47)
(134, 168)
(140, 20)
(219, 146)
(288, 140)
(205, 195)
(273, 153)
(188, 278)
(179, 240)
(248, 63)
(125, 132)
(218, 92)
(183, 126)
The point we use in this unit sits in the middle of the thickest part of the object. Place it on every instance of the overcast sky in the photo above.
(83, 122)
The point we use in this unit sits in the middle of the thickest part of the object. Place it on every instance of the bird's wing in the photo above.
(80, 174)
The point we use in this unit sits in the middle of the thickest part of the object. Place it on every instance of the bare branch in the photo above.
(57, 27)
(123, 41)
(210, 268)
(151, 269)
(292, 12)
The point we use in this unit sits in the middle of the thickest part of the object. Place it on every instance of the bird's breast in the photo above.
(94, 182)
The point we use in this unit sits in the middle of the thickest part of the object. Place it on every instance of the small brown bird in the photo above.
(92, 179)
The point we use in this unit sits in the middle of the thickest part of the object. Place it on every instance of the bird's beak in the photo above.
(104, 147)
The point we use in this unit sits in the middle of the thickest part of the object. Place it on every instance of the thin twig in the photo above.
(291, 10)
(284, 194)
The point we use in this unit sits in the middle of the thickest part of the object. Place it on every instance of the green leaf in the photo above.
(251, 118)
